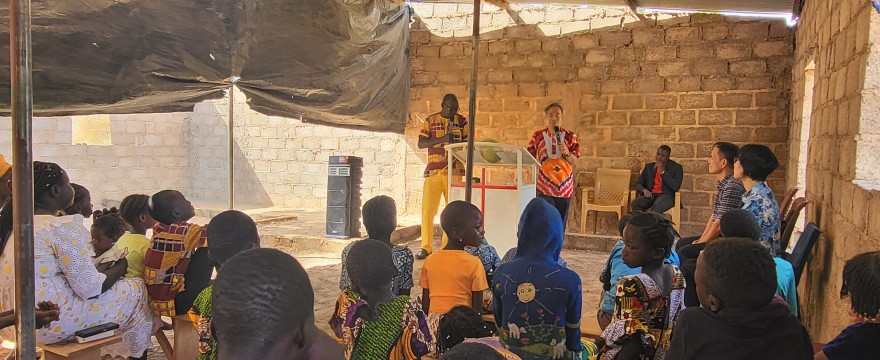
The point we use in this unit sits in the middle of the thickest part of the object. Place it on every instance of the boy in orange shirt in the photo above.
(452, 277)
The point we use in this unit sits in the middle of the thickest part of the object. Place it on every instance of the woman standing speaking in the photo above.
(556, 149)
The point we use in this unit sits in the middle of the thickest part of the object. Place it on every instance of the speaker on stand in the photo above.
(344, 197)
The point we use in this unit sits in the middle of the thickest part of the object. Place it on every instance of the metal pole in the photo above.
(472, 108)
(230, 144)
(22, 174)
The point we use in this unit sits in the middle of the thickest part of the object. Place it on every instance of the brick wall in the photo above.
(148, 154)
(279, 162)
(627, 86)
(839, 37)
(283, 162)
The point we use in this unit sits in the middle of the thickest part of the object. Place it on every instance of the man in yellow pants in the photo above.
(440, 129)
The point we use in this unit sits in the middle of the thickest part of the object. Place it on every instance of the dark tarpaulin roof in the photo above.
(337, 62)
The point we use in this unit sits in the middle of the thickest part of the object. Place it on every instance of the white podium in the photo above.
(508, 176)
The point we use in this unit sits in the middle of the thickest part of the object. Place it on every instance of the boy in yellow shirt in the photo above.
(452, 277)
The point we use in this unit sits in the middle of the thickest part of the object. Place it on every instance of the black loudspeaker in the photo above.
(344, 197)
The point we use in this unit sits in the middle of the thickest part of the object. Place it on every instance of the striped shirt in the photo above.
(547, 184)
(436, 127)
(728, 196)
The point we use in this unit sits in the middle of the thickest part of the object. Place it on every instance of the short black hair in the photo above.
(450, 97)
(456, 213)
(623, 221)
(861, 281)
(259, 297)
(757, 161)
(553, 105)
(229, 233)
(380, 217)
(729, 151)
(741, 272)
(665, 148)
(161, 206)
(740, 223)
(371, 269)
(133, 206)
(460, 323)
(109, 223)
(468, 351)
(656, 231)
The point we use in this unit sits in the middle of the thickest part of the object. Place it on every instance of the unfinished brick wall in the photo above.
(627, 86)
(148, 154)
(283, 162)
(839, 36)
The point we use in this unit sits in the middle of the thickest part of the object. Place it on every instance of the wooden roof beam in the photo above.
(503, 4)
(634, 6)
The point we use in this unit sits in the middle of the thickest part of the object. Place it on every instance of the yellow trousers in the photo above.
(435, 187)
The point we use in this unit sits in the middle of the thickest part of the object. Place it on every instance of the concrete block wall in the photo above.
(627, 86)
(841, 37)
(283, 162)
(148, 154)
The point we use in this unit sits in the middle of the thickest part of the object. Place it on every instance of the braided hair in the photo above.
(109, 223)
(370, 269)
(460, 323)
(861, 281)
(46, 175)
(656, 231)
(133, 206)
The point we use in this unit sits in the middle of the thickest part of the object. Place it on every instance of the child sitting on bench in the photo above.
(176, 266)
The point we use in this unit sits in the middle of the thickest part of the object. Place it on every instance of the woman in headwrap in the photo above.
(64, 273)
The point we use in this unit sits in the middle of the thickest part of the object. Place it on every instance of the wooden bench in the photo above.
(186, 340)
(76, 351)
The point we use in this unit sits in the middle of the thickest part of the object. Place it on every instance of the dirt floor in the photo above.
(303, 239)
(324, 269)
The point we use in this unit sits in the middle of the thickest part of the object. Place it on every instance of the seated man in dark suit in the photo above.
(658, 183)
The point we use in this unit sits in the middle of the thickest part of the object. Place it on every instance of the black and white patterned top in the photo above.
(403, 261)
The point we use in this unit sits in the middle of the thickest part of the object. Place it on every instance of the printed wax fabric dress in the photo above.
(66, 276)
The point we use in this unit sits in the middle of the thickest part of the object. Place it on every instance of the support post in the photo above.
(22, 173)
(472, 108)
(230, 145)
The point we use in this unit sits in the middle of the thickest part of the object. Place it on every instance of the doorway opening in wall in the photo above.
(91, 130)
(804, 143)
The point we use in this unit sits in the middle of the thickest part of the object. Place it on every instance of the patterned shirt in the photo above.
(641, 309)
(166, 261)
(487, 255)
(403, 262)
(435, 127)
(200, 314)
(399, 332)
(553, 181)
(728, 196)
(760, 202)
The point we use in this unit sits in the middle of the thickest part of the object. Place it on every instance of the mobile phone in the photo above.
(96, 332)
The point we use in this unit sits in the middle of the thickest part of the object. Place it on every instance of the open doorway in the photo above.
(803, 142)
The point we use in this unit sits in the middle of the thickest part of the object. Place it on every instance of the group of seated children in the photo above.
(261, 306)
(747, 299)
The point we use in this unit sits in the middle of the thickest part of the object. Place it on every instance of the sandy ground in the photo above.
(324, 269)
